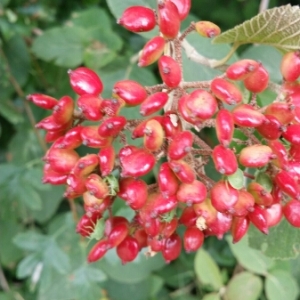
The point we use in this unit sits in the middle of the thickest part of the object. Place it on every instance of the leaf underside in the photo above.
(278, 27)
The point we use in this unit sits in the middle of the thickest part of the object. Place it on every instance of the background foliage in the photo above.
(41, 256)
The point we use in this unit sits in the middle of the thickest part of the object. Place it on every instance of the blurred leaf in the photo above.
(56, 44)
(207, 270)
(9, 112)
(30, 241)
(268, 56)
(6, 296)
(277, 27)
(236, 180)
(281, 285)
(156, 283)
(283, 234)
(212, 296)
(27, 265)
(251, 259)
(10, 253)
(86, 273)
(28, 195)
(246, 284)
(18, 58)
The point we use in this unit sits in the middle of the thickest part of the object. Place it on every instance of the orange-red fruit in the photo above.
(226, 91)
(271, 128)
(185, 113)
(172, 248)
(151, 52)
(50, 124)
(280, 152)
(135, 161)
(52, 136)
(85, 165)
(169, 70)
(224, 127)
(239, 228)
(112, 126)
(130, 91)
(43, 101)
(292, 134)
(241, 69)
(153, 135)
(191, 193)
(93, 204)
(183, 7)
(188, 217)
(274, 214)
(171, 124)
(133, 191)
(287, 183)
(98, 251)
(245, 115)
(112, 107)
(90, 107)
(107, 157)
(76, 186)
(261, 196)
(283, 112)
(202, 104)
(138, 19)
(72, 139)
(224, 160)
(244, 204)
(52, 177)
(255, 156)
(153, 103)
(97, 186)
(181, 145)
(167, 181)
(291, 212)
(138, 131)
(193, 239)
(257, 81)
(85, 81)
(223, 196)
(91, 138)
(168, 19)
(259, 219)
(290, 66)
(184, 172)
(207, 29)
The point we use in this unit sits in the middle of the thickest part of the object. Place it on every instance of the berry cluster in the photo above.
(269, 142)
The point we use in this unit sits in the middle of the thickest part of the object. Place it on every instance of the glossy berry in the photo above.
(288, 184)
(291, 212)
(241, 69)
(43, 101)
(106, 160)
(153, 103)
(290, 66)
(98, 251)
(193, 239)
(111, 127)
(181, 145)
(225, 160)
(224, 127)
(172, 248)
(90, 106)
(259, 219)
(191, 193)
(138, 19)
(85, 81)
(255, 156)
(151, 52)
(169, 70)
(91, 138)
(167, 181)
(283, 112)
(183, 7)
(292, 134)
(239, 228)
(184, 172)
(271, 128)
(128, 249)
(246, 116)
(153, 135)
(258, 81)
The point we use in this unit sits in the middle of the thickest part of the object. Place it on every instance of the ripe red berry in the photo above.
(85, 81)
(151, 52)
(98, 251)
(258, 80)
(292, 134)
(260, 194)
(239, 228)
(245, 115)
(271, 128)
(287, 183)
(188, 217)
(207, 29)
(85, 165)
(225, 160)
(184, 172)
(259, 219)
(168, 19)
(274, 214)
(241, 69)
(224, 127)
(91, 138)
(181, 145)
(128, 249)
(111, 127)
(153, 135)
(255, 156)
(97, 186)
(43, 101)
(183, 7)
(244, 204)
(106, 160)
(193, 239)
(90, 106)
(138, 19)
(172, 248)
(283, 112)
(169, 70)
(191, 193)
(154, 103)
(167, 181)
(52, 177)
(290, 66)
(291, 212)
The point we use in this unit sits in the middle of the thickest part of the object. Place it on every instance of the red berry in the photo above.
(128, 249)
(290, 66)
(283, 112)
(191, 193)
(255, 156)
(184, 172)
(287, 183)
(52, 177)
(43, 101)
(167, 181)
(292, 134)
(274, 214)
(239, 228)
(106, 160)
(171, 124)
(153, 135)
(271, 128)
(169, 70)
(90, 107)
(224, 127)
(91, 138)
(224, 160)
(244, 204)
(138, 19)
(85, 81)
(111, 127)
(97, 186)
(193, 239)
(259, 219)
(291, 212)
(183, 7)
(154, 103)
(207, 29)
(98, 251)
(245, 115)
(188, 217)
(151, 52)
(258, 80)
(172, 248)
(85, 165)
(261, 196)
(241, 69)
(181, 145)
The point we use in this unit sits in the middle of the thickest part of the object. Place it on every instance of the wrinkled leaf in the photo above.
(281, 285)
(246, 284)
(207, 270)
(283, 234)
(251, 259)
(278, 27)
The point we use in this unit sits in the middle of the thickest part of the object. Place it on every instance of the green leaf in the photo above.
(246, 284)
(277, 27)
(156, 283)
(27, 265)
(280, 243)
(251, 259)
(30, 240)
(63, 46)
(281, 285)
(29, 196)
(212, 296)
(264, 180)
(236, 180)
(86, 274)
(10, 112)
(56, 257)
(207, 270)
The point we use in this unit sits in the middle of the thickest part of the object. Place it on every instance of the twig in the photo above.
(21, 94)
